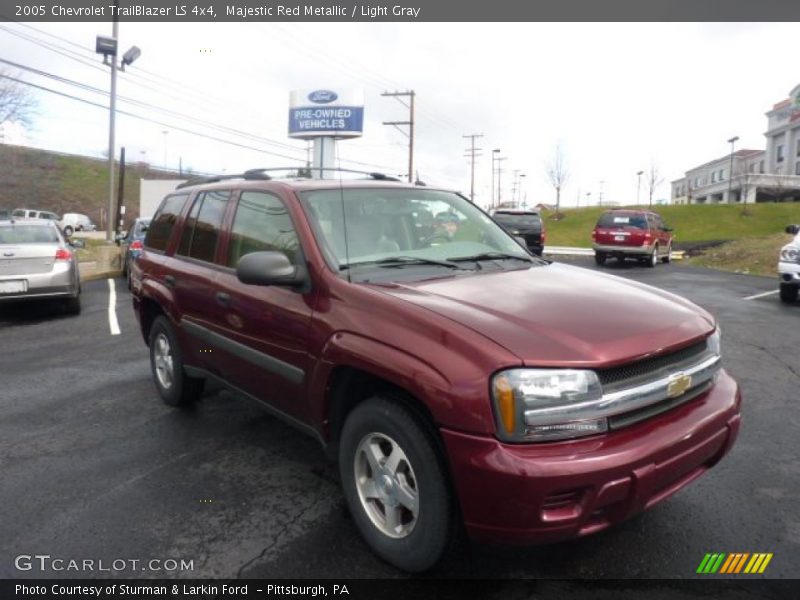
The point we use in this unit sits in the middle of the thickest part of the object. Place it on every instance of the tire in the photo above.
(68, 230)
(652, 260)
(73, 305)
(788, 293)
(668, 257)
(414, 542)
(166, 364)
(600, 258)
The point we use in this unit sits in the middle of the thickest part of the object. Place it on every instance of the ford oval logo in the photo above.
(322, 96)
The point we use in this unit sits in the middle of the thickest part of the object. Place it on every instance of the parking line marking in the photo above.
(113, 324)
(761, 295)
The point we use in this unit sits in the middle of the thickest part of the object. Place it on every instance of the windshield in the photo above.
(364, 226)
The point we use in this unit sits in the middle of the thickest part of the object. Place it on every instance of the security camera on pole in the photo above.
(323, 116)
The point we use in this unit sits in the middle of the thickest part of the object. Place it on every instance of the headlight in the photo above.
(790, 253)
(537, 404)
(715, 342)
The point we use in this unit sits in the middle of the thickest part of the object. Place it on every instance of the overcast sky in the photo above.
(617, 97)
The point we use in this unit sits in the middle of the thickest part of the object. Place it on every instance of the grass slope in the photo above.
(62, 183)
(692, 223)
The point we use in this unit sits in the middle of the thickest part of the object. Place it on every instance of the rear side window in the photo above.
(161, 227)
(201, 232)
(261, 223)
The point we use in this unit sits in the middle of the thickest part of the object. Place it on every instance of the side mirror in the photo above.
(666, 228)
(793, 229)
(77, 243)
(269, 268)
(119, 237)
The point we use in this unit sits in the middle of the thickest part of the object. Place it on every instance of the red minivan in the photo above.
(636, 234)
(461, 382)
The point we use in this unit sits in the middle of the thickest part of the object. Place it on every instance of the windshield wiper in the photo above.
(402, 261)
(490, 256)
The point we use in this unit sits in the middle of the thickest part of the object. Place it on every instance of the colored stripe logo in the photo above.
(734, 563)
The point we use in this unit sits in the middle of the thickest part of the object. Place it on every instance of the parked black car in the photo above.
(526, 224)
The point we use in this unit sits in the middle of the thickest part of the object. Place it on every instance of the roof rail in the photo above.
(300, 172)
(250, 174)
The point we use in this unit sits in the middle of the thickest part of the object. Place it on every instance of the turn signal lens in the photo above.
(504, 396)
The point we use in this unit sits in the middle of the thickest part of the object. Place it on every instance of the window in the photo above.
(201, 232)
(761, 167)
(261, 223)
(798, 147)
(722, 174)
(797, 168)
(780, 153)
(159, 231)
(713, 176)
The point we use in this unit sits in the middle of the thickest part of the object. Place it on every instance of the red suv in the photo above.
(459, 380)
(632, 234)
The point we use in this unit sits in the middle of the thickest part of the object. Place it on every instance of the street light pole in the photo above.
(499, 171)
(494, 152)
(638, 185)
(108, 48)
(731, 141)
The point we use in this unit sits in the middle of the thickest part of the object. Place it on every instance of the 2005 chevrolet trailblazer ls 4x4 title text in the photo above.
(460, 381)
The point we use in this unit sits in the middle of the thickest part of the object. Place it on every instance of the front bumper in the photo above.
(61, 281)
(539, 493)
(610, 249)
(789, 272)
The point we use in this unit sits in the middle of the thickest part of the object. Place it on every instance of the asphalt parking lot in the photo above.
(95, 467)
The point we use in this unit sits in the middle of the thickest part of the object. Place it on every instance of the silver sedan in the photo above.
(36, 261)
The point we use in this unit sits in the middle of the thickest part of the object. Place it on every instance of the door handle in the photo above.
(223, 299)
(169, 280)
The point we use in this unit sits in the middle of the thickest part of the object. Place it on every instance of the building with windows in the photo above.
(770, 175)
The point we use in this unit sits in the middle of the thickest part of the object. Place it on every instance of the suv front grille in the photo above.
(650, 368)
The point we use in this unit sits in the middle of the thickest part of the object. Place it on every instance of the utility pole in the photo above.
(472, 154)
(410, 123)
(514, 186)
(495, 151)
(600, 199)
(732, 141)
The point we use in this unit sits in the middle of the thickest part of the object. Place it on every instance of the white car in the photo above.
(72, 222)
(789, 266)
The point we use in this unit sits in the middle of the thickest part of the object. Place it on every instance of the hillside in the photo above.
(693, 224)
(61, 183)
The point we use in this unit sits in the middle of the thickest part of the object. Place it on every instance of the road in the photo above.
(95, 467)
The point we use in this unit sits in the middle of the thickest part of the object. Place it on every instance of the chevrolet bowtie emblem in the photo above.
(678, 385)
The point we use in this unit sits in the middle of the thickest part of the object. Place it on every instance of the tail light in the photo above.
(544, 235)
(136, 245)
(63, 254)
(594, 235)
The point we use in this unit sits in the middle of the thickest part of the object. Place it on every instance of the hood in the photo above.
(559, 315)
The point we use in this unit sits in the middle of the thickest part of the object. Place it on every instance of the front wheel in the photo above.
(166, 363)
(788, 293)
(395, 484)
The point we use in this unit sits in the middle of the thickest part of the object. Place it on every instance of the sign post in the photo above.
(323, 116)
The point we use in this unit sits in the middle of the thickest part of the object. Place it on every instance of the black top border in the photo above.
(364, 11)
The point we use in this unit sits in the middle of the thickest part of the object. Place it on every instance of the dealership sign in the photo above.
(326, 113)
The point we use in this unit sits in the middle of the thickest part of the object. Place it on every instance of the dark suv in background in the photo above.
(526, 224)
(460, 381)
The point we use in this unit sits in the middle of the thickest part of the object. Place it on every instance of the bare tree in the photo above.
(558, 174)
(654, 179)
(16, 102)
(780, 183)
(744, 183)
